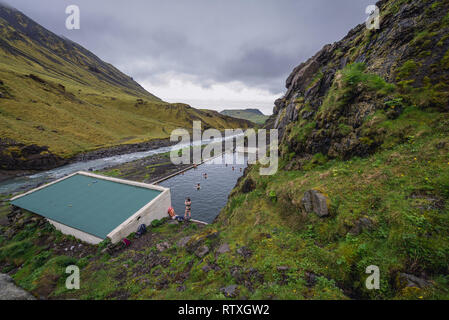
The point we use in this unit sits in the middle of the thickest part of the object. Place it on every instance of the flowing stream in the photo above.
(24, 183)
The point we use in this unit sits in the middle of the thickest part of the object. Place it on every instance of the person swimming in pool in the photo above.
(188, 211)
(205, 175)
(198, 186)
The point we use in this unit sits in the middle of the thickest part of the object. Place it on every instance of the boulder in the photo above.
(230, 291)
(206, 268)
(181, 288)
(223, 248)
(183, 242)
(202, 251)
(248, 186)
(282, 268)
(314, 201)
(360, 225)
(245, 252)
(236, 273)
(310, 278)
(409, 280)
(162, 246)
(9, 291)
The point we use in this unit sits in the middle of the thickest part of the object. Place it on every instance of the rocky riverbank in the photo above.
(17, 159)
(148, 170)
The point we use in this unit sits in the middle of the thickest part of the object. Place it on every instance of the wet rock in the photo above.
(162, 246)
(9, 291)
(314, 201)
(360, 225)
(230, 291)
(223, 248)
(202, 251)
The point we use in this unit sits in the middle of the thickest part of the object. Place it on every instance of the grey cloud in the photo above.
(257, 42)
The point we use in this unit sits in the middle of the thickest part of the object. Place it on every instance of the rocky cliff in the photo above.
(332, 96)
(363, 178)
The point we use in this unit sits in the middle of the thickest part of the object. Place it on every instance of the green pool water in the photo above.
(91, 205)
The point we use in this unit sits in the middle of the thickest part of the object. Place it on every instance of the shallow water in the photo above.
(212, 197)
(25, 183)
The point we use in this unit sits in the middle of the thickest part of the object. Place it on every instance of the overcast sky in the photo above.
(216, 54)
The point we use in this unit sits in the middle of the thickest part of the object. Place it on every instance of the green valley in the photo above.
(56, 94)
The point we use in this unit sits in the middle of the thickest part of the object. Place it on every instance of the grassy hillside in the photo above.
(365, 123)
(253, 115)
(55, 93)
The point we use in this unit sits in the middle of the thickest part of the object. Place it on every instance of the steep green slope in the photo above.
(253, 115)
(364, 122)
(55, 93)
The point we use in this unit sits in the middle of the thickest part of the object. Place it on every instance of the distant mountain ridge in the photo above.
(18, 27)
(251, 114)
(58, 99)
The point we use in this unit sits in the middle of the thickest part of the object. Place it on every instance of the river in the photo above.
(24, 183)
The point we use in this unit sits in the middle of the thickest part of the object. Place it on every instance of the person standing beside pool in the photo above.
(188, 204)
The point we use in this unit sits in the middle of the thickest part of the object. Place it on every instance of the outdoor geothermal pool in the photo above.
(212, 197)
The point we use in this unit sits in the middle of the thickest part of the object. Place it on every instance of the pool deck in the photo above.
(187, 169)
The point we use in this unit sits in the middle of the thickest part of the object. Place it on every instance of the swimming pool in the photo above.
(93, 207)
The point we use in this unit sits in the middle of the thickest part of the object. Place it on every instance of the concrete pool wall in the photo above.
(154, 209)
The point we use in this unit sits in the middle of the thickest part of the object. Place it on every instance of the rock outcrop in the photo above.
(9, 291)
(314, 201)
(331, 98)
(18, 156)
